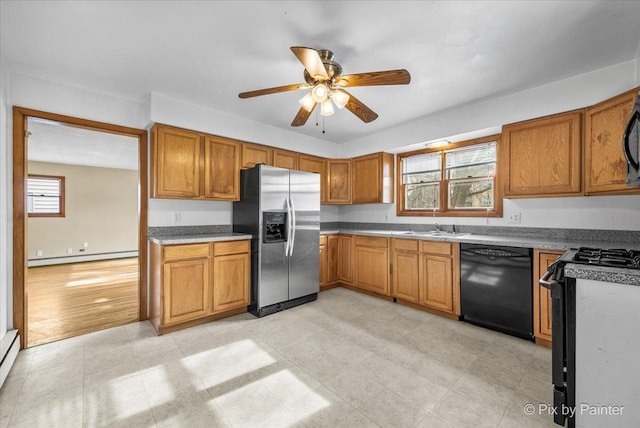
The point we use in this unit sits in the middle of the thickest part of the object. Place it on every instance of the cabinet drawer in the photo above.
(367, 241)
(231, 247)
(189, 251)
(431, 247)
(405, 245)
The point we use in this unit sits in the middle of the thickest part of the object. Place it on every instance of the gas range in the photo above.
(603, 257)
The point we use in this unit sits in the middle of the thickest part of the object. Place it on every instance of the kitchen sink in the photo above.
(439, 233)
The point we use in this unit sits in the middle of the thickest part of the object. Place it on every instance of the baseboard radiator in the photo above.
(9, 347)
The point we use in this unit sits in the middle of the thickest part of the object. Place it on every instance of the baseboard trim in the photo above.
(9, 347)
(81, 258)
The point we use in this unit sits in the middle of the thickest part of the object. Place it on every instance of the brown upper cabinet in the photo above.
(190, 165)
(372, 179)
(311, 163)
(221, 174)
(338, 181)
(285, 159)
(542, 157)
(176, 163)
(253, 154)
(604, 163)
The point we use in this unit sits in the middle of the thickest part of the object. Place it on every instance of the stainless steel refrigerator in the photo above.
(280, 208)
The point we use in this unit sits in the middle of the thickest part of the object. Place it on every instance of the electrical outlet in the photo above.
(69, 250)
(85, 245)
(515, 218)
(177, 217)
(38, 253)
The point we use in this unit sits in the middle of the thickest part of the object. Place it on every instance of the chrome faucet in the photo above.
(438, 228)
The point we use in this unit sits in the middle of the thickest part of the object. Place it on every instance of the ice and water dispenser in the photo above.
(274, 226)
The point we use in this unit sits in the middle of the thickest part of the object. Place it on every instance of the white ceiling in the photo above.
(58, 143)
(206, 52)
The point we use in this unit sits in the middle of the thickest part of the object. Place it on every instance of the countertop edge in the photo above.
(603, 273)
(511, 241)
(193, 239)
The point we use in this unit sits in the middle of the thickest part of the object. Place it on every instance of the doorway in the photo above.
(91, 276)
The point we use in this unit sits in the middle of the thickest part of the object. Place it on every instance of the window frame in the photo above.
(61, 212)
(443, 210)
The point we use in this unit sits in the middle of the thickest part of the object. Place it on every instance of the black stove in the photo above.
(603, 257)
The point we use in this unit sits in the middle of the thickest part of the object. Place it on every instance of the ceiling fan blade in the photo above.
(273, 90)
(302, 116)
(312, 62)
(375, 78)
(358, 108)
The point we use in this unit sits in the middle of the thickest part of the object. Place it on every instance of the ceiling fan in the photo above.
(324, 77)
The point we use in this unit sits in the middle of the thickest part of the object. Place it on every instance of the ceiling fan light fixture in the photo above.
(320, 92)
(340, 98)
(307, 102)
(326, 108)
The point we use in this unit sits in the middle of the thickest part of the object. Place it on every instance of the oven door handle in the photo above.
(544, 281)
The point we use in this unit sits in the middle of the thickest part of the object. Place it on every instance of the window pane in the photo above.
(43, 195)
(421, 168)
(422, 196)
(477, 161)
(476, 193)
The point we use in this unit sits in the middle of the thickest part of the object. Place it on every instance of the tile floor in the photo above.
(346, 360)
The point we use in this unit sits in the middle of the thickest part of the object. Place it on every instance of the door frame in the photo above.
(20, 217)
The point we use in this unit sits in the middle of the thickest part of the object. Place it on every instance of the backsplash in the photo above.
(538, 232)
(188, 230)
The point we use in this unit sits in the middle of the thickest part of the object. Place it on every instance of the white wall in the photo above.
(593, 212)
(596, 212)
(190, 116)
(568, 94)
(192, 213)
(6, 271)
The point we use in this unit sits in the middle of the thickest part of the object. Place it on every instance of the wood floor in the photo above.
(73, 299)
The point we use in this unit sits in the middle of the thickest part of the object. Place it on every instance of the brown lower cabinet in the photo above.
(421, 274)
(329, 250)
(542, 296)
(426, 275)
(197, 283)
(371, 264)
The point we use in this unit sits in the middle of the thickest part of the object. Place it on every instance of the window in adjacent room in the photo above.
(45, 196)
(458, 181)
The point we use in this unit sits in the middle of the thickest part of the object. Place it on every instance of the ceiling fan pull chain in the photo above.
(323, 124)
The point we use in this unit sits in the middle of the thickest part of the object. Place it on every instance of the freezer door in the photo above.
(305, 258)
(272, 286)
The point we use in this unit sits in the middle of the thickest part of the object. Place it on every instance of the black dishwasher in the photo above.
(496, 288)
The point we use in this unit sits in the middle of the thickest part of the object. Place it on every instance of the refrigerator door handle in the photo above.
(289, 232)
(293, 226)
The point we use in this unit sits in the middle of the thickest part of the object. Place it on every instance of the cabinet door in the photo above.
(605, 164)
(332, 258)
(372, 178)
(339, 181)
(285, 159)
(436, 288)
(230, 281)
(542, 156)
(406, 269)
(542, 296)
(310, 163)
(323, 265)
(222, 169)
(372, 269)
(186, 290)
(345, 272)
(176, 163)
(253, 154)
